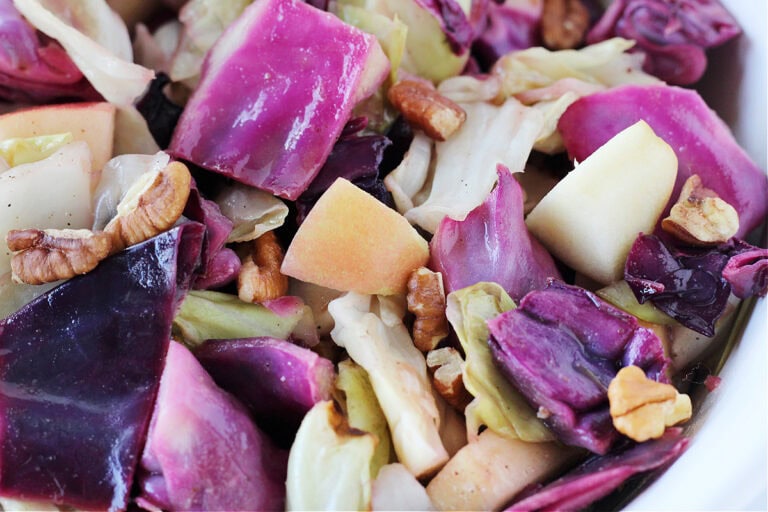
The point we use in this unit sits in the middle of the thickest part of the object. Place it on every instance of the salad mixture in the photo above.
(361, 254)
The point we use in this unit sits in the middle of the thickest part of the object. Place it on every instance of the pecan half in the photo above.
(260, 278)
(152, 205)
(427, 109)
(426, 300)
(45, 256)
(564, 23)
(700, 217)
(445, 366)
(642, 408)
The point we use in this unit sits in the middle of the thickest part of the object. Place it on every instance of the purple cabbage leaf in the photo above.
(33, 67)
(220, 265)
(673, 34)
(277, 381)
(702, 142)
(295, 98)
(509, 26)
(203, 452)
(80, 370)
(561, 348)
(600, 475)
(492, 244)
(747, 272)
(693, 285)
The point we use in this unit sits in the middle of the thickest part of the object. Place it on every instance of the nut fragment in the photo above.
(426, 300)
(700, 217)
(642, 408)
(260, 278)
(445, 365)
(564, 23)
(45, 256)
(152, 205)
(424, 107)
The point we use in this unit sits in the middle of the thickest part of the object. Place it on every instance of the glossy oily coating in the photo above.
(79, 371)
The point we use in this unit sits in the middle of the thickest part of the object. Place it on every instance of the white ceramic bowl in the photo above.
(725, 466)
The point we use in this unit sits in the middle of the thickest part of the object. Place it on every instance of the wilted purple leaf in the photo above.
(599, 476)
(492, 244)
(277, 381)
(674, 34)
(561, 348)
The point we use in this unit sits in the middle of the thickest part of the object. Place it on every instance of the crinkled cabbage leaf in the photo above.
(673, 36)
(561, 348)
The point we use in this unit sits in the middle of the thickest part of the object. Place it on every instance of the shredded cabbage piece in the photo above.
(497, 404)
(364, 412)
(24, 150)
(329, 463)
(118, 80)
(371, 329)
(605, 63)
(465, 165)
(253, 211)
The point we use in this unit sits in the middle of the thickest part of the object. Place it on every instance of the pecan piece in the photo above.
(427, 109)
(564, 23)
(700, 217)
(446, 367)
(642, 408)
(152, 205)
(45, 256)
(260, 278)
(426, 300)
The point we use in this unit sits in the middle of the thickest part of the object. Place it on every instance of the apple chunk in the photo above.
(93, 123)
(350, 241)
(591, 217)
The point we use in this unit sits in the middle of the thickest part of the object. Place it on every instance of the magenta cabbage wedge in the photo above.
(702, 142)
(561, 347)
(277, 381)
(299, 72)
(80, 369)
(492, 244)
(203, 452)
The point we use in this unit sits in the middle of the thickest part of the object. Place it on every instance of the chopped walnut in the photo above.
(45, 256)
(700, 217)
(564, 23)
(445, 365)
(152, 205)
(426, 300)
(260, 278)
(427, 109)
(642, 408)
